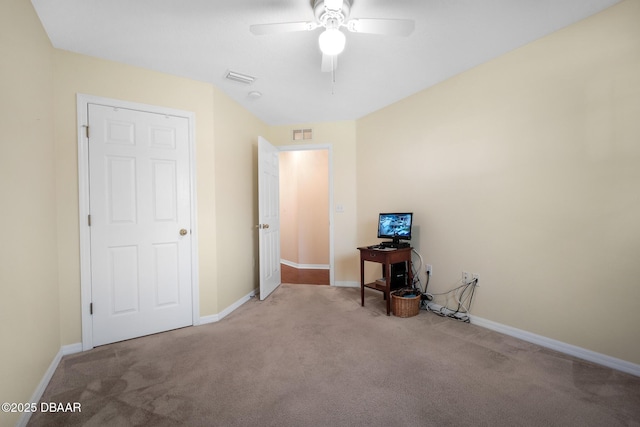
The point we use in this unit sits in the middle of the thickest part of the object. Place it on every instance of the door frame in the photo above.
(82, 102)
(329, 148)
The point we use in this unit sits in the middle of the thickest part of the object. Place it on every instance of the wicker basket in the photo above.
(405, 306)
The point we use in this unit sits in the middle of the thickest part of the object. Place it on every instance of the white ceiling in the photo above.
(203, 39)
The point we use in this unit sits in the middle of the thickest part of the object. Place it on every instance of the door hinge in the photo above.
(90, 308)
(89, 220)
(86, 130)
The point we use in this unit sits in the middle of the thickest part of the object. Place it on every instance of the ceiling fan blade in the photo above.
(329, 63)
(284, 27)
(387, 27)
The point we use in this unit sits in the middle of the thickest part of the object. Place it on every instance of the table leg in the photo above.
(387, 291)
(362, 280)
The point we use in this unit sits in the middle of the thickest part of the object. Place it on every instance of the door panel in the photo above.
(123, 279)
(167, 274)
(139, 202)
(164, 190)
(121, 190)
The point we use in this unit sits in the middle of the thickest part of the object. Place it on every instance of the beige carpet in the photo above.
(312, 356)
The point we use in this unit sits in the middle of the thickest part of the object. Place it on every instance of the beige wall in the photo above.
(341, 136)
(288, 207)
(526, 170)
(304, 206)
(74, 74)
(236, 194)
(523, 170)
(225, 145)
(29, 311)
(40, 275)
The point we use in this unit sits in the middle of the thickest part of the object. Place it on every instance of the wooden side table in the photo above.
(386, 258)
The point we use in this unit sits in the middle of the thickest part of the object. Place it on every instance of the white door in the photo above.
(140, 223)
(268, 217)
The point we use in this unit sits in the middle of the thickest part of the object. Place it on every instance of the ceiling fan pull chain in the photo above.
(333, 75)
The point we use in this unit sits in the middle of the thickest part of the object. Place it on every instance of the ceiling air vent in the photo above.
(240, 78)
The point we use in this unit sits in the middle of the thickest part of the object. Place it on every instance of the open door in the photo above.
(268, 217)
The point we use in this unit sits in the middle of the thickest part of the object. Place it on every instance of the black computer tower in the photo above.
(398, 275)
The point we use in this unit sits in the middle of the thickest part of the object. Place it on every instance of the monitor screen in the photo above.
(396, 226)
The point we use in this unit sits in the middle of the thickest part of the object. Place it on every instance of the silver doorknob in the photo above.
(183, 232)
(265, 226)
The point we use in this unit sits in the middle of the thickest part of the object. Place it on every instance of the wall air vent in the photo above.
(240, 78)
(301, 134)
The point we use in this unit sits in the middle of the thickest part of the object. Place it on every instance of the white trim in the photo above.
(71, 348)
(82, 102)
(305, 266)
(562, 347)
(79, 347)
(348, 284)
(224, 313)
(329, 148)
(212, 318)
(559, 346)
(579, 352)
(44, 382)
(83, 211)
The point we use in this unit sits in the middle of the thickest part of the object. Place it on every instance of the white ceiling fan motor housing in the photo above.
(323, 15)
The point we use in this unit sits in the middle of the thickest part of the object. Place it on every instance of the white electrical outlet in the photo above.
(430, 269)
(466, 277)
(476, 277)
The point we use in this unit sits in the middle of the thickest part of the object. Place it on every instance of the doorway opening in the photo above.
(305, 215)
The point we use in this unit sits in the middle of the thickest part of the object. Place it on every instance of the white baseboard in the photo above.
(77, 348)
(347, 284)
(224, 313)
(572, 350)
(559, 346)
(71, 348)
(44, 382)
(305, 266)
(562, 347)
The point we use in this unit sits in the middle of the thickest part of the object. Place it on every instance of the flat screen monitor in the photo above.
(395, 226)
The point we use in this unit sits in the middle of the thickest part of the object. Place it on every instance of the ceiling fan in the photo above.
(332, 15)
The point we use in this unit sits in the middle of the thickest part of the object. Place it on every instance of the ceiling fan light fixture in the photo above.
(332, 41)
(333, 4)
